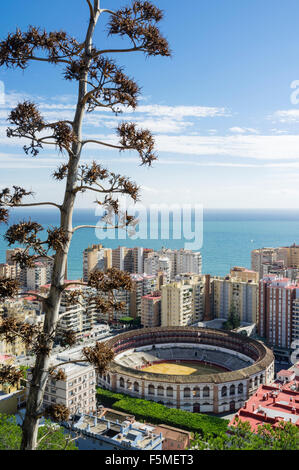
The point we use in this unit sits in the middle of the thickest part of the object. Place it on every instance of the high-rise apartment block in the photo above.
(143, 284)
(244, 274)
(10, 254)
(29, 278)
(36, 276)
(79, 317)
(183, 301)
(151, 310)
(8, 271)
(263, 256)
(128, 259)
(188, 261)
(11, 268)
(235, 290)
(173, 262)
(156, 263)
(282, 261)
(96, 257)
(278, 310)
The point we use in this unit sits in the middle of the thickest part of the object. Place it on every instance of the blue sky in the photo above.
(220, 108)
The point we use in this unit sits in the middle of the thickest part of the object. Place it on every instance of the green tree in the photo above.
(24, 369)
(233, 320)
(284, 436)
(50, 436)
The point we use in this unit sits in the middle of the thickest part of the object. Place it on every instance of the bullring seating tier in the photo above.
(139, 359)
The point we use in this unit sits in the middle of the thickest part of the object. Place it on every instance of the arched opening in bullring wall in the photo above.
(196, 408)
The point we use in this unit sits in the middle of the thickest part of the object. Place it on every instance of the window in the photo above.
(224, 392)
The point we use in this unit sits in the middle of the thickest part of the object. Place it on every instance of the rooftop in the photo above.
(124, 433)
(169, 432)
(272, 404)
(286, 373)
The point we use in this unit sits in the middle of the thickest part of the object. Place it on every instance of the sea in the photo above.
(228, 236)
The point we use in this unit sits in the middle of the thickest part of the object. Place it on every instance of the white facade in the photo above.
(36, 276)
(77, 392)
(183, 301)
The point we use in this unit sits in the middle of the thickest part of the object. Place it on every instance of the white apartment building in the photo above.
(188, 261)
(243, 295)
(156, 263)
(142, 285)
(173, 262)
(172, 256)
(8, 271)
(78, 317)
(78, 391)
(183, 301)
(176, 304)
(36, 276)
(113, 316)
(96, 257)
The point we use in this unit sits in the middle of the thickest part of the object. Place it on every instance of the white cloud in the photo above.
(287, 115)
(186, 162)
(179, 112)
(265, 147)
(243, 130)
(160, 119)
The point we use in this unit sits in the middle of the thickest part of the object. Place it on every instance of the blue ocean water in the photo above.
(228, 236)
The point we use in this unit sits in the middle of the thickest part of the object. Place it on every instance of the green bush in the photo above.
(107, 398)
(156, 413)
(50, 437)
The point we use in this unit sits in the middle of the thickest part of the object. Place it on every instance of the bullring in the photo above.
(235, 365)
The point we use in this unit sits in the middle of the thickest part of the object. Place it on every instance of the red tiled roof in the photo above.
(271, 404)
(286, 373)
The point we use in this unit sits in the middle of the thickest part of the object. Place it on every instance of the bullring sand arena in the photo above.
(181, 368)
